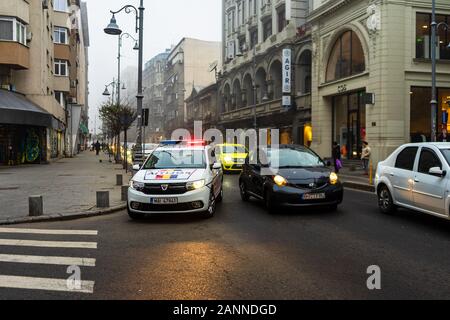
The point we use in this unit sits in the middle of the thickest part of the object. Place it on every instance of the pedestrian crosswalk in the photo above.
(31, 248)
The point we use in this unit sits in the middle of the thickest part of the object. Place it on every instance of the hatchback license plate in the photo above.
(314, 196)
(164, 200)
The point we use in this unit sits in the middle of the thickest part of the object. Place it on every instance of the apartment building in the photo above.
(202, 105)
(266, 74)
(372, 74)
(188, 65)
(43, 79)
(153, 79)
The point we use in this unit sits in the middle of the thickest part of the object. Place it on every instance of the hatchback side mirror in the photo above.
(216, 166)
(437, 172)
(136, 167)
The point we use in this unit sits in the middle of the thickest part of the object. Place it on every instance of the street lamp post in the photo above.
(255, 90)
(107, 93)
(136, 47)
(113, 29)
(434, 103)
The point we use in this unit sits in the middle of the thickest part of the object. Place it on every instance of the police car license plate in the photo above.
(164, 200)
(314, 196)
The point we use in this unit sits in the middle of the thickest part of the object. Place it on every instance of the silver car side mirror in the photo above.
(136, 167)
(438, 172)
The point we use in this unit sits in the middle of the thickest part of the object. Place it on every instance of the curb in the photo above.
(61, 217)
(359, 186)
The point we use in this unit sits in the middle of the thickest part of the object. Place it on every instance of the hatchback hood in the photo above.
(305, 175)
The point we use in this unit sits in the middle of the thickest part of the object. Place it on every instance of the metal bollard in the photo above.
(125, 193)
(102, 199)
(36, 206)
(119, 180)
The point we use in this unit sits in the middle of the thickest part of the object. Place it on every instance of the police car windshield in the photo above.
(176, 159)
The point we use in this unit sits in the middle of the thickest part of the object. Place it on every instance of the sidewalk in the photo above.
(68, 186)
(356, 179)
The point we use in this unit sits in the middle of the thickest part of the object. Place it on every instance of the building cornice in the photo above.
(327, 9)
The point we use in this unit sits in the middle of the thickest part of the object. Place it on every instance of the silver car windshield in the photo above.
(446, 153)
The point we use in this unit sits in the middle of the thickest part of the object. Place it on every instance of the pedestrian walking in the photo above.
(97, 148)
(365, 157)
(336, 153)
(10, 155)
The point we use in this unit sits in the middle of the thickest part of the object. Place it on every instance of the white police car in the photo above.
(178, 177)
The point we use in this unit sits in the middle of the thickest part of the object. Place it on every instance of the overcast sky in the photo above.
(166, 23)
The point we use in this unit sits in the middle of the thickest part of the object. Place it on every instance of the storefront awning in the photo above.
(18, 110)
(84, 130)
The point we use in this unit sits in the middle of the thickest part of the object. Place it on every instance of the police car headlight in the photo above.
(334, 178)
(138, 186)
(195, 185)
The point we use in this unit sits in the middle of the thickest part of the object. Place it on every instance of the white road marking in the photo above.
(50, 232)
(61, 261)
(45, 284)
(48, 244)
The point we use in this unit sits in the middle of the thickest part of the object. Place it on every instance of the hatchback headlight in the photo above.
(195, 185)
(280, 181)
(138, 186)
(334, 178)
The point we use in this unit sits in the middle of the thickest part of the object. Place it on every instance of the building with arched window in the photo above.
(255, 35)
(371, 74)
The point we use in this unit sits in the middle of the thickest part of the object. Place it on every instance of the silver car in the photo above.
(416, 176)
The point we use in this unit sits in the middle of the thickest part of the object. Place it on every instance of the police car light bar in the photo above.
(170, 142)
(183, 142)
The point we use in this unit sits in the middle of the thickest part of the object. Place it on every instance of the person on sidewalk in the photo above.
(336, 153)
(97, 148)
(10, 155)
(365, 157)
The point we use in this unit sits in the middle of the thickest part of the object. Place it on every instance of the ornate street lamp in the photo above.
(113, 29)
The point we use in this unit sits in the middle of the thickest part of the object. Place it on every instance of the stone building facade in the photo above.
(43, 77)
(153, 78)
(255, 35)
(371, 74)
(188, 65)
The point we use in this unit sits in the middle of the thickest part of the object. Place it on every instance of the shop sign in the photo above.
(287, 70)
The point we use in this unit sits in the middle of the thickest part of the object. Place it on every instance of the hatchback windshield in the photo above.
(294, 158)
(234, 149)
(176, 159)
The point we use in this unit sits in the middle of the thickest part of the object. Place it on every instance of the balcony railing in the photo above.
(264, 109)
(14, 55)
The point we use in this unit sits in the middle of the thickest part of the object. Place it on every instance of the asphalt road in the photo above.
(242, 253)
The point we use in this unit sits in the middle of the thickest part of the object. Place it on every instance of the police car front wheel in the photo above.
(211, 207)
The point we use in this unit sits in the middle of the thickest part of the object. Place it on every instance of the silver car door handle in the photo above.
(416, 180)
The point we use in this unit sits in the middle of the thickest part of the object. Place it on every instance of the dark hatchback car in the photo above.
(291, 176)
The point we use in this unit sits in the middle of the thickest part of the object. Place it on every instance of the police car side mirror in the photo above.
(136, 167)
